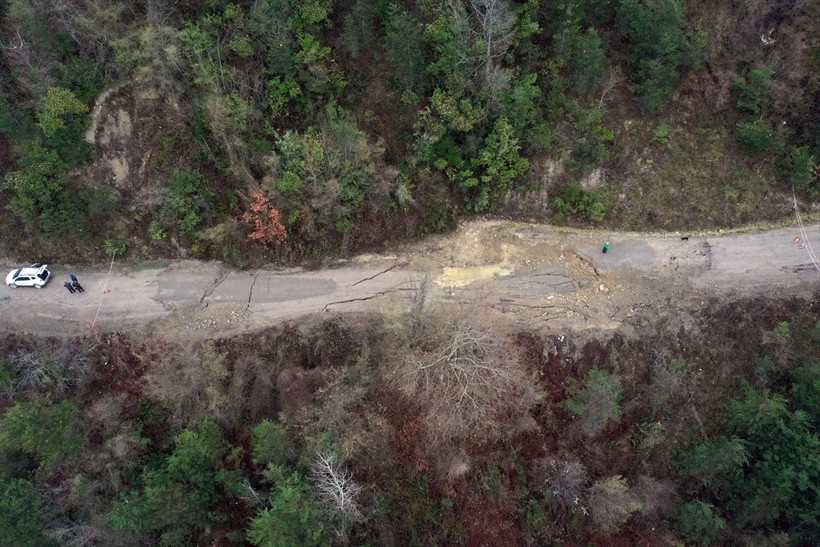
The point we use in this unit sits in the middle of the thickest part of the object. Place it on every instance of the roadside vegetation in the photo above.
(424, 429)
(274, 130)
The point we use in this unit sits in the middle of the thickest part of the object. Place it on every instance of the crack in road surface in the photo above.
(708, 254)
(588, 262)
(374, 276)
(799, 268)
(221, 275)
(253, 284)
(366, 298)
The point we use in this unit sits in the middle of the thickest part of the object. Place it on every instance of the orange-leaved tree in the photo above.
(266, 219)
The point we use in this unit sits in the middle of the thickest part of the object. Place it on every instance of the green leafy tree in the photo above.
(56, 106)
(15, 121)
(271, 444)
(574, 201)
(179, 490)
(755, 136)
(406, 51)
(43, 429)
(590, 146)
(753, 91)
(40, 198)
(717, 459)
(294, 516)
(270, 22)
(657, 45)
(766, 474)
(804, 392)
(453, 47)
(782, 476)
(20, 524)
(700, 522)
(799, 167)
(596, 401)
(358, 28)
(496, 167)
(469, 41)
(324, 178)
(584, 54)
(188, 202)
(522, 109)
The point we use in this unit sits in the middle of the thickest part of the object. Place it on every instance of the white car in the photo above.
(35, 276)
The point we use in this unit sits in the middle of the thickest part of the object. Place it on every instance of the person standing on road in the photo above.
(605, 248)
(76, 284)
(68, 287)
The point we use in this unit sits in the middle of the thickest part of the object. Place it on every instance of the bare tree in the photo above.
(565, 481)
(335, 486)
(250, 495)
(59, 366)
(486, 29)
(495, 29)
(467, 381)
(12, 45)
(614, 76)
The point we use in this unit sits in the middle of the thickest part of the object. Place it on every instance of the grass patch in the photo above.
(148, 265)
(694, 179)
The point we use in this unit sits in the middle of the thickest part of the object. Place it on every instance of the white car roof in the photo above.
(32, 270)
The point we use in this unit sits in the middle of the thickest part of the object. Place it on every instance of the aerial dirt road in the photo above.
(535, 273)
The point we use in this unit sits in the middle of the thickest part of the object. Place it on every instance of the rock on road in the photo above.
(547, 274)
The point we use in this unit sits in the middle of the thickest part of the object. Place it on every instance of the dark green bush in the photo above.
(755, 136)
(596, 401)
(752, 92)
(799, 168)
(700, 523)
(43, 429)
(189, 202)
(574, 201)
(20, 524)
(657, 44)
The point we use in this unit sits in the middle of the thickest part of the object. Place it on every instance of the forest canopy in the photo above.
(156, 127)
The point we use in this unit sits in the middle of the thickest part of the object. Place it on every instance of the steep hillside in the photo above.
(277, 130)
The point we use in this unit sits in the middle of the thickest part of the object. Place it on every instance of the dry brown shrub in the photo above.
(611, 503)
(344, 412)
(107, 412)
(465, 377)
(59, 366)
(192, 383)
(452, 466)
(252, 389)
(297, 388)
(657, 496)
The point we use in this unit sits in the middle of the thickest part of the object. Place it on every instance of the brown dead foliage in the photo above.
(466, 377)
